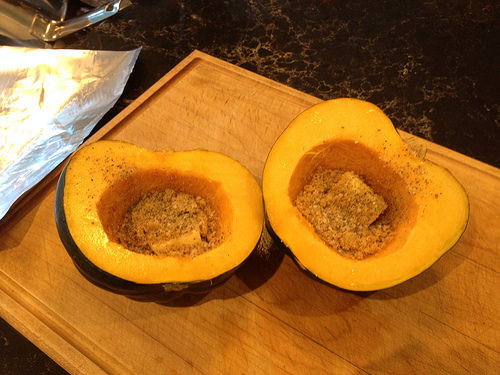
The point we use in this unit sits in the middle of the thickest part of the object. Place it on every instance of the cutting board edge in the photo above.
(46, 336)
(197, 56)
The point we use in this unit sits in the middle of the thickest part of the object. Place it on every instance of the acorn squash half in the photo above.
(125, 234)
(354, 205)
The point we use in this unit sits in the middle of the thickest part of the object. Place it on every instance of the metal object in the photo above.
(46, 20)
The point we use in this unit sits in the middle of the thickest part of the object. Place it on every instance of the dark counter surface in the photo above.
(432, 66)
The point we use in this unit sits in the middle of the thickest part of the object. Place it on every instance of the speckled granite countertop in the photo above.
(432, 66)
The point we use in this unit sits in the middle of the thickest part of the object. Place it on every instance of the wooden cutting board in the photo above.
(270, 318)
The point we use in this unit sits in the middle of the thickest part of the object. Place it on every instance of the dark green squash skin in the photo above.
(160, 293)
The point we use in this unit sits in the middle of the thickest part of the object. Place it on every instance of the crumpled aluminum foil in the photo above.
(50, 100)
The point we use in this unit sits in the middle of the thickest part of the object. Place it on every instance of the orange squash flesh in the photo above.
(103, 180)
(427, 206)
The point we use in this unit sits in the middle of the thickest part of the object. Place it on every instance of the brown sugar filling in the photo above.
(170, 223)
(345, 212)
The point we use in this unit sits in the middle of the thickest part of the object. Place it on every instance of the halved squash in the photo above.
(373, 193)
(115, 202)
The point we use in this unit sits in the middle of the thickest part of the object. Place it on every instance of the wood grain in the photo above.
(270, 318)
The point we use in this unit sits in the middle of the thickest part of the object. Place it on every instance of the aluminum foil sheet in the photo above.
(50, 100)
